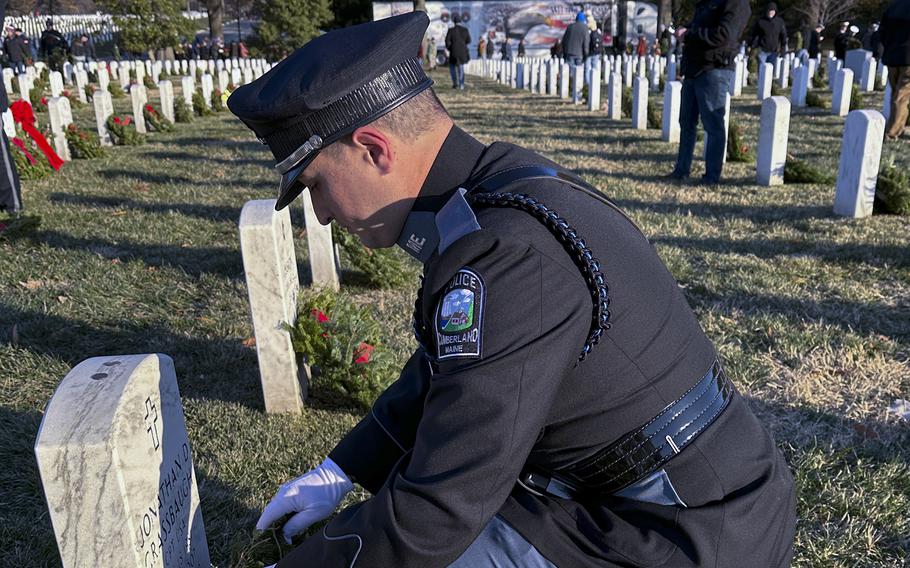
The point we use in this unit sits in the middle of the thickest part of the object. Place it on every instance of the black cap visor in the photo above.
(290, 186)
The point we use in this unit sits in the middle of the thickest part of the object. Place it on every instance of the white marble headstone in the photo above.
(640, 104)
(138, 99)
(117, 467)
(166, 95)
(270, 268)
(320, 246)
(860, 159)
(672, 102)
(61, 116)
(843, 89)
(774, 131)
(104, 108)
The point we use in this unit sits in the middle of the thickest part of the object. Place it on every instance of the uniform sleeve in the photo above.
(370, 451)
(482, 415)
(731, 24)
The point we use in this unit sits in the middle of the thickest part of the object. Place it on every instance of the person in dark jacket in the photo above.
(576, 41)
(711, 45)
(597, 42)
(10, 190)
(563, 406)
(814, 40)
(521, 48)
(16, 49)
(895, 34)
(506, 50)
(491, 48)
(872, 40)
(769, 35)
(53, 47)
(457, 40)
(842, 41)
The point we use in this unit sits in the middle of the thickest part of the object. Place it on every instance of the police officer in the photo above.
(563, 407)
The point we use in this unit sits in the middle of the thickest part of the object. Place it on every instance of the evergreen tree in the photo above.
(288, 24)
(148, 24)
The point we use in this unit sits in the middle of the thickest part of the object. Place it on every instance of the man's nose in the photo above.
(319, 208)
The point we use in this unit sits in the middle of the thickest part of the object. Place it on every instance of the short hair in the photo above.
(410, 119)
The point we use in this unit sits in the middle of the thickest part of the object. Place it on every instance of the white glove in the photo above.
(313, 496)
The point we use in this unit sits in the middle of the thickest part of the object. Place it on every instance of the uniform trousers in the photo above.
(500, 546)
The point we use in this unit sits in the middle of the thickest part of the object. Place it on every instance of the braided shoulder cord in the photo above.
(420, 330)
(578, 251)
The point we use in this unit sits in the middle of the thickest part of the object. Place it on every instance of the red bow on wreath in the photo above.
(22, 114)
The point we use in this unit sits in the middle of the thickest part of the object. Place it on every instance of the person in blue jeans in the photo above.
(711, 45)
(457, 40)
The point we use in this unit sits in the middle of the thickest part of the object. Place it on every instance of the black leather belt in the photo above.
(641, 452)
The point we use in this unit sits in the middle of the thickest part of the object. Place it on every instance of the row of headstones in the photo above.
(232, 70)
(863, 133)
(60, 111)
(100, 26)
(860, 156)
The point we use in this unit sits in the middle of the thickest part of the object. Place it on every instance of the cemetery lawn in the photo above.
(138, 252)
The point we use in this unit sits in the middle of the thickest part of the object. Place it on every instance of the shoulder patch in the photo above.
(459, 316)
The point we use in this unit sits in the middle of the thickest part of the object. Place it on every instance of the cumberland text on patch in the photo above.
(459, 316)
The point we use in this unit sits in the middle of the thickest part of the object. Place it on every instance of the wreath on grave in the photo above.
(815, 100)
(857, 101)
(892, 190)
(41, 106)
(90, 92)
(627, 102)
(74, 100)
(654, 118)
(124, 131)
(801, 171)
(24, 117)
(340, 341)
(155, 120)
(182, 112)
(382, 268)
(737, 150)
(149, 84)
(115, 90)
(199, 106)
(83, 145)
(29, 164)
(217, 101)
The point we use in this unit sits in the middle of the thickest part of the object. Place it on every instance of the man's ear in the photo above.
(378, 146)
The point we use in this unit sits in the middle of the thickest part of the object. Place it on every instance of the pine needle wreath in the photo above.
(383, 268)
(115, 90)
(801, 171)
(149, 84)
(654, 119)
(90, 92)
(627, 102)
(217, 101)
(893, 189)
(737, 150)
(124, 131)
(341, 340)
(83, 145)
(156, 120)
(182, 112)
(199, 106)
(814, 100)
(857, 101)
(30, 162)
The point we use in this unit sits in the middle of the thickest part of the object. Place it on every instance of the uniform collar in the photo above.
(440, 215)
